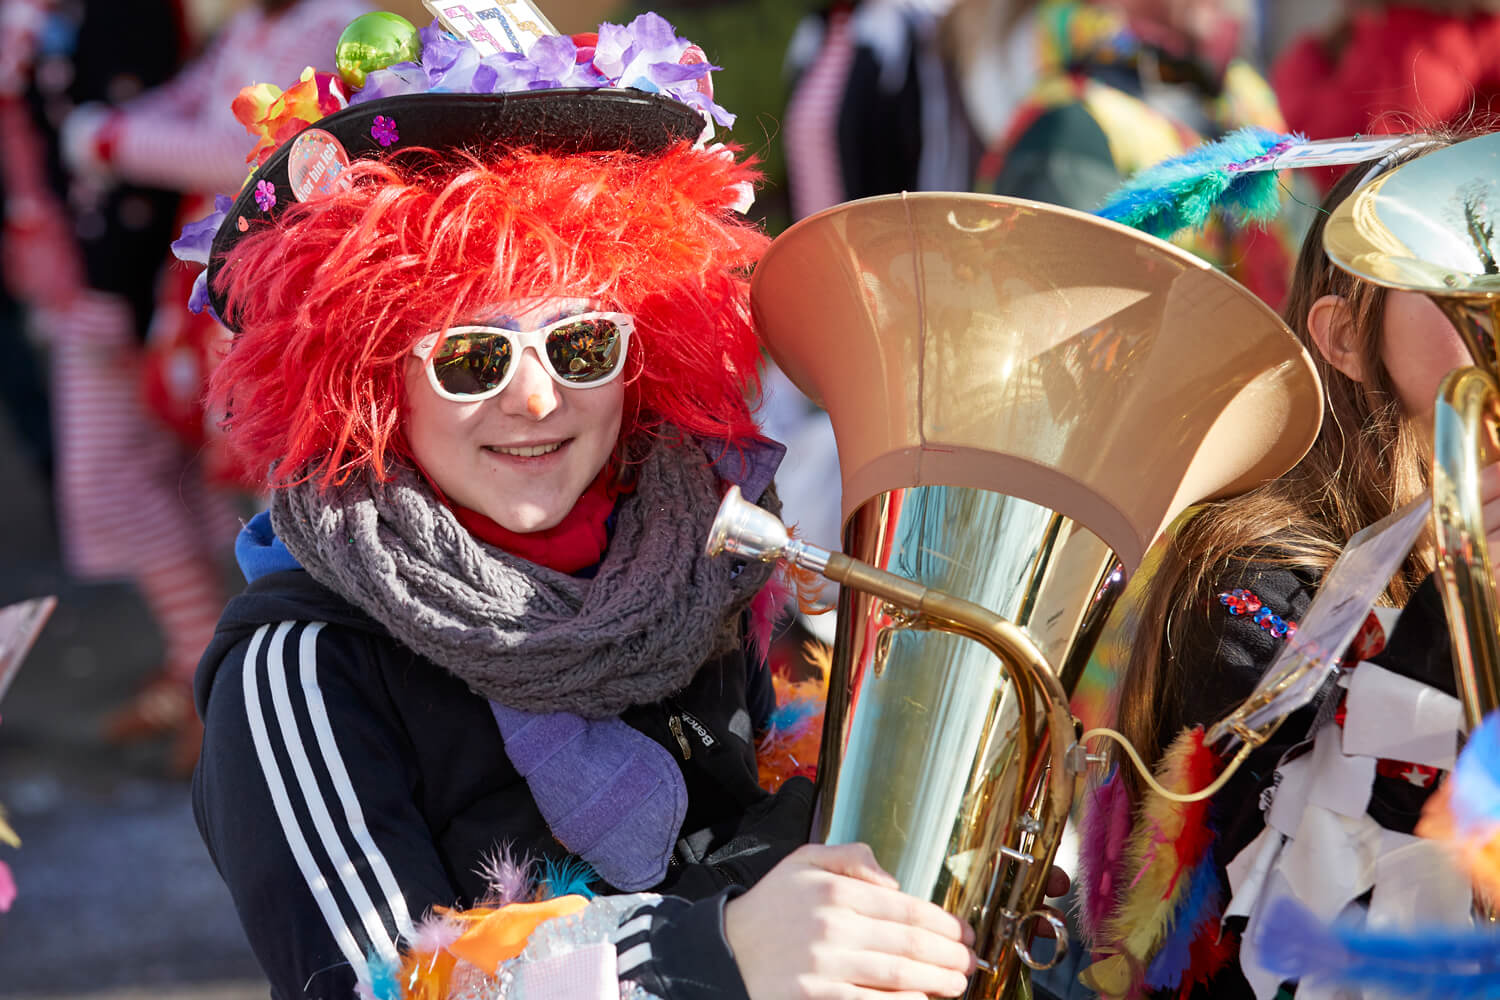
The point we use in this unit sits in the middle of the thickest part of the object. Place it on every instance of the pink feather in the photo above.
(1105, 828)
(766, 609)
(434, 934)
(509, 879)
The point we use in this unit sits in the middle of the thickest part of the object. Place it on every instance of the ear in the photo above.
(1332, 329)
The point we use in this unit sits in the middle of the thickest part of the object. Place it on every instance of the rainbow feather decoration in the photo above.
(1162, 931)
(1437, 964)
(1184, 191)
(450, 944)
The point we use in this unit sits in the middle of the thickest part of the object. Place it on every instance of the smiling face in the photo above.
(521, 458)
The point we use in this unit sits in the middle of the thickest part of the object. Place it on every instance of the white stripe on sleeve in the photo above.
(316, 883)
(348, 875)
(353, 815)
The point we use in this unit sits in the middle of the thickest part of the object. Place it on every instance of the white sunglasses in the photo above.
(473, 363)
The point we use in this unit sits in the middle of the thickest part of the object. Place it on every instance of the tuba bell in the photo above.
(1023, 397)
(1429, 226)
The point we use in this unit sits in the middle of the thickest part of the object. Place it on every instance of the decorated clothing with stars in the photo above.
(1322, 817)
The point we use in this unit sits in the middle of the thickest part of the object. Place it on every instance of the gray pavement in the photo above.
(118, 899)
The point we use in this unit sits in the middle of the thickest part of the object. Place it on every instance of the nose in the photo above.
(532, 393)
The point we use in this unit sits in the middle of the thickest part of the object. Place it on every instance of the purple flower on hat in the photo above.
(645, 55)
(265, 195)
(198, 237)
(383, 131)
(401, 78)
(198, 299)
(194, 245)
(557, 65)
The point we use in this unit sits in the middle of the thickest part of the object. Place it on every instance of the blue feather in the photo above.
(1183, 191)
(1201, 902)
(570, 877)
(1475, 781)
(1443, 963)
(385, 981)
(789, 717)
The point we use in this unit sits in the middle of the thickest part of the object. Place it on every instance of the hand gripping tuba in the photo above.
(1429, 226)
(1023, 397)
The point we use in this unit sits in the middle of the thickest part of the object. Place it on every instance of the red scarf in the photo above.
(574, 543)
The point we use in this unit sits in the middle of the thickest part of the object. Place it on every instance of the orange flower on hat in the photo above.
(273, 116)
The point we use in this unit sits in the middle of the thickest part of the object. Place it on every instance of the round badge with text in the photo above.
(315, 165)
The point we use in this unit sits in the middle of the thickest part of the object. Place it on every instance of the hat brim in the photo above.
(554, 121)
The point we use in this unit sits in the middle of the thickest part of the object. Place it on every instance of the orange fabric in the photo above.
(498, 935)
(427, 976)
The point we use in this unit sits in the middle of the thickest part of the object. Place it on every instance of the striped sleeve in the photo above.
(303, 796)
(676, 949)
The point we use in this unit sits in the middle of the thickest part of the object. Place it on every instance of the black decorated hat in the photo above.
(668, 101)
(555, 121)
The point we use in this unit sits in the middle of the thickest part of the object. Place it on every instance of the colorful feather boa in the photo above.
(522, 896)
(1184, 191)
(1154, 901)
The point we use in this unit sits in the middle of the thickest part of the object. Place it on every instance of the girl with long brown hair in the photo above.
(1232, 582)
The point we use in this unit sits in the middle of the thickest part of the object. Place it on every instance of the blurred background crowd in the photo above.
(116, 126)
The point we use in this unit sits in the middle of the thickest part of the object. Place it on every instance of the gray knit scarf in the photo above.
(520, 634)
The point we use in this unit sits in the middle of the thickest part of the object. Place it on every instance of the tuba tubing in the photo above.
(745, 530)
(1463, 423)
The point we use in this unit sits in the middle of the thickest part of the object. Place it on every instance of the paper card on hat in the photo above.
(1344, 599)
(492, 26)
(1417, 885)
(1323, 153)
(1387, 715)
(20, 624)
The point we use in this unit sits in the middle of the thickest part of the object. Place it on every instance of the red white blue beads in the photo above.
(1244, 602)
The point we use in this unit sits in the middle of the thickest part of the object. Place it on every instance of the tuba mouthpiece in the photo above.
(750, 532)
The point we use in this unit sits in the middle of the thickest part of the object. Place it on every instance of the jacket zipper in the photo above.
(674, 723)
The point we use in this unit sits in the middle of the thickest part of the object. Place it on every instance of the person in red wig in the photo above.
(484, 721)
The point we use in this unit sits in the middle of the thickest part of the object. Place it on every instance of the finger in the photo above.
(881, 971)
(896, 907)
(1058, 882)
(856, 861)
(905, 941)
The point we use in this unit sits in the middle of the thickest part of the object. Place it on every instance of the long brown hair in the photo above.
(1368, 460)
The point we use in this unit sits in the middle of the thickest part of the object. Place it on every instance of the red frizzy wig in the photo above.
(331, 298)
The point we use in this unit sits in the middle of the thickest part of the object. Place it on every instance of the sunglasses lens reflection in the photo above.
(585, 351)
(474, 363)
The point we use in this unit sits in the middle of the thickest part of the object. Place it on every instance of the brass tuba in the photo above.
(1024, 397)
(1429, 226)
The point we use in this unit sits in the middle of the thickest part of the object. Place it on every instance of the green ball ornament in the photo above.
(375, 41)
